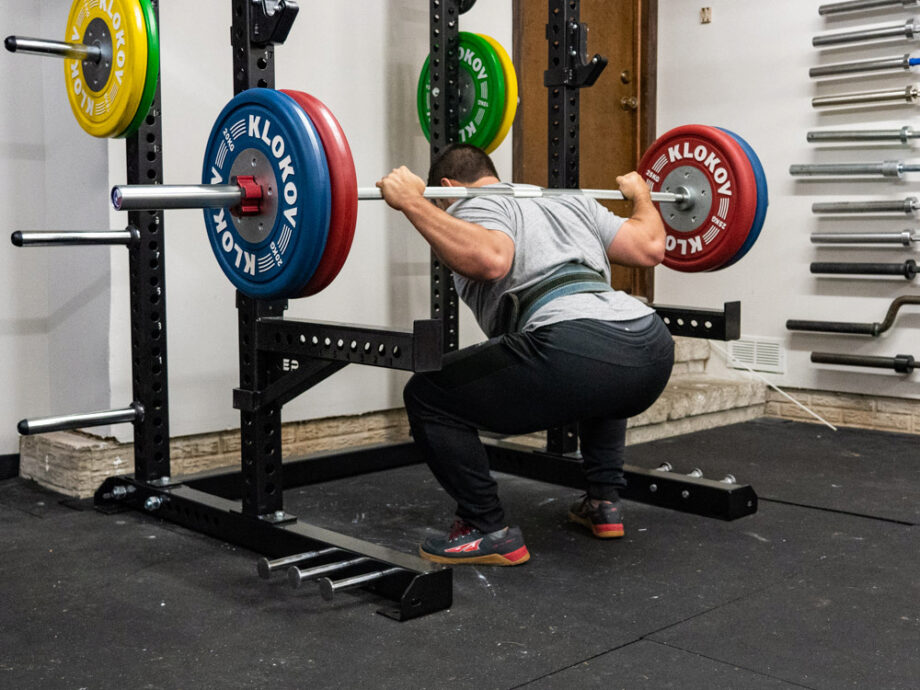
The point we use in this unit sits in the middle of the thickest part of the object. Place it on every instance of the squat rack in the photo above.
(281, 358)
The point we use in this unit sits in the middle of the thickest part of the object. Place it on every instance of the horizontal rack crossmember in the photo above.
(702, 323)
(674, 491)
(418, 350)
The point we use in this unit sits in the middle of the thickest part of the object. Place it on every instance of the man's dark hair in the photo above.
(461, 162)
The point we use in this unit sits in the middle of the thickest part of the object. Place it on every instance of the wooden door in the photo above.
(617, 113)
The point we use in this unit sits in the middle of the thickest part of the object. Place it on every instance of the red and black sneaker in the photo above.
(603, 518)
(466, 544)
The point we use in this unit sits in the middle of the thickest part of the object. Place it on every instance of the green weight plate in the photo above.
(153, 69)
(482, 92)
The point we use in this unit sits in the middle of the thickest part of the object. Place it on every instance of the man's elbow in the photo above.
(495, 268)
(654, 254)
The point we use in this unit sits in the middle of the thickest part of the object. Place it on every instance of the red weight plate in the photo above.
(721, 171)
(344, 184)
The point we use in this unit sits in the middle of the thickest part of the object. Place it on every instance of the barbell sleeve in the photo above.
(48, 238)
(904, 238)
(832, 327)
(906, 206)
(161, 196)
(857, 5)
(908, 269)
(907, 94)
(904, 135)
(884, 168)
(903, 364)
(906, 30)
(328, 587)
(904, 62)
(152, 197)
(27, 427)
(41, 46)
(266, 567)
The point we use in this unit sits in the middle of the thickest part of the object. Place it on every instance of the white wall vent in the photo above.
(759, 354)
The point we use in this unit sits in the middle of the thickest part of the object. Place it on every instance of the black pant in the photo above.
(595, 373)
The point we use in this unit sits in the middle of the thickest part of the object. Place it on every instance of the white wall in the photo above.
(364, 66)
(54, 315)
(748, 71)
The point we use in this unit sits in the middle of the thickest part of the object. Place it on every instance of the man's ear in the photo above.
(447, 182)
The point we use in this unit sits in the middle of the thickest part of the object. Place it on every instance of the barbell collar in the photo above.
(903, 238)
(907, 94)
(858, 5)
(161, 196)
(906, 30)
(904, 135)
(905, 206)
(41, 46)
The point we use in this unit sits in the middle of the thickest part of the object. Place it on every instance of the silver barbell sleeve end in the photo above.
(117, 198)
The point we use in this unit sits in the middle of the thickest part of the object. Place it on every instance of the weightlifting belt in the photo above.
(516, 309)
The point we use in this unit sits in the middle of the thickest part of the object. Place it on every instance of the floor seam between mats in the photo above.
(732, 663)
(645, 638)
(837, 511)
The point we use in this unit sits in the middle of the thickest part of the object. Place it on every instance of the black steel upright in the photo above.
(444, 71)
(147, 266)
(563, 78)
(260, 426)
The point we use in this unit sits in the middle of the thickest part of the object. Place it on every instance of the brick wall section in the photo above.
(848, 409)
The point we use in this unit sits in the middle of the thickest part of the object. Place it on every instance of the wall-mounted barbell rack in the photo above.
(282, 358)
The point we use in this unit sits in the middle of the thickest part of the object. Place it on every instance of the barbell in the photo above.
(112, 61)
(279, 194)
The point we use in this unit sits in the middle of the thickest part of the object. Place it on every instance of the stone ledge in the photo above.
(848, 409)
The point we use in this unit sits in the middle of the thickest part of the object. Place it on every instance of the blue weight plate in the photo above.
(263, 133)
(760, 212)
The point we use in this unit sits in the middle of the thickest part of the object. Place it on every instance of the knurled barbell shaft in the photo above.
(885, 168)
(908, 94)
(904, 135)
(904, 62)
(857, 5)
(906, 30)
(41, 46)
(905, 206)
(908, 269)
(154, 197)
(903, 238)
(903, 364)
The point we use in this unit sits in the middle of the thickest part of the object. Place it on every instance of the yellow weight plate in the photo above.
(105, 96)
(511, 93)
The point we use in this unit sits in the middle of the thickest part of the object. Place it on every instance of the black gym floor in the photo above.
(819, 589)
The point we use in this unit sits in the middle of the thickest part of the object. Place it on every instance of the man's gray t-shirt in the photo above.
(547, 232)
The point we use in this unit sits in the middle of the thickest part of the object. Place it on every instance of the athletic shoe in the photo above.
(603, 518)
(466, 544)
